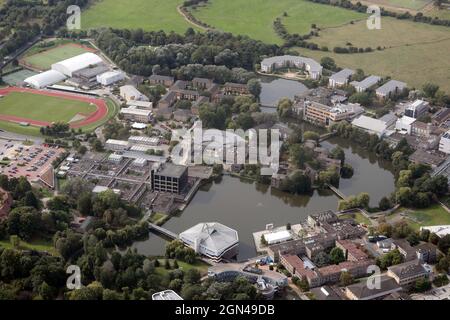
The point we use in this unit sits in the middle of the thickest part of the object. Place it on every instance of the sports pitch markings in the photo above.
(101, 108)
(43, 60)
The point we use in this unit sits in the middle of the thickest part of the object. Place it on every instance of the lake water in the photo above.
(274, 89)
(248, 207)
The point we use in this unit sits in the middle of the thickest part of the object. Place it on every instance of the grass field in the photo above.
(404, 4)
(255, 17)
(44, 60)
(133, 14)
(42, 108)
(113, 109)
(38, 245)
(432, 216)
(200, 265)
(415, 53)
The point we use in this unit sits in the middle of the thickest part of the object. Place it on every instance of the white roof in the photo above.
(369, 123)
(342, 75)
(406, 120)
(278, 236)
(45, 79)
(71, 65)
(136, 111)
(109, 75)
(139, 126)
(117, 142)
(166, 295)
(213, 236)
(441, 230)
(100, 189)
(367, 82)
(313, 65)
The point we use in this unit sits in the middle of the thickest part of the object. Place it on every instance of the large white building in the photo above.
(371, 125)
(444, 144)
(212, 239)
(77, 63)
(404, 125)
(314, 68)
(130, 93)
(367, 83)
(44, 79)
(110, 77)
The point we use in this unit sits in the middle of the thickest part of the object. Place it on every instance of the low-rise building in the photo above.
(110, 77)
(213, 240)
(340, 78)
(162, 80)
(166, 295)
(371, 125)
(324, 115)
(143, 140)
(116, 145)
(137, 115)
(128, 92)
(407, 273)
(365, 84)
(390, 88)
(362, 291)
(404, 125)
(417, 109)
(314, 68)
(235, 89)
(444, 143)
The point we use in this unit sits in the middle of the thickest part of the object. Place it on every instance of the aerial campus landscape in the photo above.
(134, 165)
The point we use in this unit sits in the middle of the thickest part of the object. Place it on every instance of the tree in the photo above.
(337, 255)
(321, 259)
(347, 171)
(430, 90)
(84, 204)
(311, 135)
(385, 204)
(328, 63)
(413, 239)
(422, 285)
(338, 153)
(346, 279)
(254, 86)
(284, 108)
(192, 276)
(444, 243)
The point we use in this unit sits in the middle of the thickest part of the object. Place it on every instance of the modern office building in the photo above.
(417, 109)
(212, 239)
(170, 178)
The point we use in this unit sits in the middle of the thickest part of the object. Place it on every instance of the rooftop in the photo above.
(408, 269)
(391, 86)
(363, 292)
(171, 170)
(342, 75)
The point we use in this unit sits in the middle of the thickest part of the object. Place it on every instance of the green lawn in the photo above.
(416, 218)
(360, 218)
(408, 4)
(200, 265)
(38, 245)
(42, 108)
(133, 14)
(43, 60)
(255, 17)
(407, 46)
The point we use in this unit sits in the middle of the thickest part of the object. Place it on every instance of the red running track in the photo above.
(100, 113)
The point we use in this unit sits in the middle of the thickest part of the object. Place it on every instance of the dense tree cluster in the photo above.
(130, 49)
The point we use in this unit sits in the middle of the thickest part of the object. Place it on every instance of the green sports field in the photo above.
(133, 14)
(44, 60)
(42, 108)
(255, 17)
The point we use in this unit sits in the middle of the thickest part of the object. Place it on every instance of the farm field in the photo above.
(415, 5)
(43, 60)
(133, 14)
(42, 108)
(406, 55)
(239, 16)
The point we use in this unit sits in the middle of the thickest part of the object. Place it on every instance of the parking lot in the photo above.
(28, 161)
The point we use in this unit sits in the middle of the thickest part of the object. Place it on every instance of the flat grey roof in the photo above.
(390, 86)
(344, 74)
(171, 170)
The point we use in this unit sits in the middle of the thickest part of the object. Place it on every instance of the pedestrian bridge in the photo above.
(163, 231)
